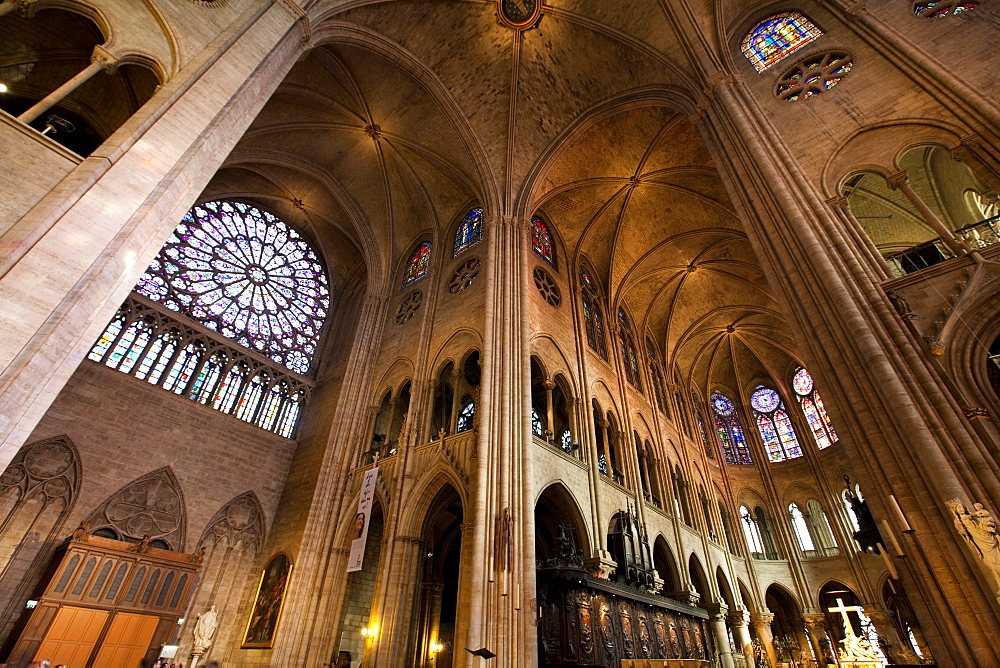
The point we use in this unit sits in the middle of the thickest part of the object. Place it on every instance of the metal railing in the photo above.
(978, 235)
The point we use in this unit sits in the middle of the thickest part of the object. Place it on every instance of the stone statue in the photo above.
(979, 529)
(204, 628)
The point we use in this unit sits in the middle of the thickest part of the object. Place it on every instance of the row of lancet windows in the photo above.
(811, 529)
(251, 279)
(470, 233)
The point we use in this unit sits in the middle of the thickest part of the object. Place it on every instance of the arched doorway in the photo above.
(436, 611)
(788, 628)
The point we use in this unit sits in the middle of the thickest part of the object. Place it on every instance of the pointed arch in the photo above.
(151, 505)
(418, 264)
(542, 241)
(556, 507)
(469, 232)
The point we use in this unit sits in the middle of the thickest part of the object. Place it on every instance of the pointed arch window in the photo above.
(629, 356)
(755, 543)
(699, 414)
(417, 265)
(812, 408)
(941, 8)
(734, 443)
(776, 37)
(467, 416)
(801, 529)
(469, 232)
(774, 425)
(541, 240)
(593, 316)
(656, 374)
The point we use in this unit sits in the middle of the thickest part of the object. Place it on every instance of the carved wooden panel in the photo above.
(582, 625)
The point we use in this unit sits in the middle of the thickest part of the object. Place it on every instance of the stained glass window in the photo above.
(656, 373)
(774, 38)
(629, 356)
(593, 318)
(801, 529)
(774, 425)
(247, 275)
(814, 75)
(942, 8)
(541, 240)
(727, 424)
(467, 416)
(416, 266)
(469, 232)
(752, 533)
(812, 408)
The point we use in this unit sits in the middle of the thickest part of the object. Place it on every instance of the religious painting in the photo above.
(267, 606)
(519, 12)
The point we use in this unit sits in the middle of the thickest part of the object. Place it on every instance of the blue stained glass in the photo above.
(469, 232)
(770, 437)
(722, 404)
(228, 265)
(787, 435)
(742, 451)
(728, 451)
(774, 38)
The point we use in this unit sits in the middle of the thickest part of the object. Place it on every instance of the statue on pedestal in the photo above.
(204, 630)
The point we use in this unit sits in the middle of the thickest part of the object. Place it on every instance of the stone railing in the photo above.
(978, 235)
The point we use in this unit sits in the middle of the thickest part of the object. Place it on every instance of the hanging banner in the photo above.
(359, 529)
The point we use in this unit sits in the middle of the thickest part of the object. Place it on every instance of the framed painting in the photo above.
(266, 612)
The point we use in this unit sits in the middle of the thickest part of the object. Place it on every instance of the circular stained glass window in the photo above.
(722, 404)
(247, 275)
(765, 400)
(802, 382)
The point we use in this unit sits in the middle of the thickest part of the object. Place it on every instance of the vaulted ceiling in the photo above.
(410, 112)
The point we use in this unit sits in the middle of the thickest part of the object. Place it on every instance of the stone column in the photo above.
(501, 614)
(549, 410)
(456, 401)
(717, 622)
(737, 619)
(898, 650)
(761, 622)
(901, 181)
(818, 640)
(87, 248)
(100, 60)
(861, 238)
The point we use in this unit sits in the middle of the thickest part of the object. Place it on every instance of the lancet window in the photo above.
(154, 346)
(755, 543)
(541, 240)
(467, 416)
(801, 530)
(656, 374)
(247, 275)
(629, 356)
(774, 425)
(699, 416)
(727, 424)
(826, 544)
(417, 265)
(776, 37)
(469, 232)
(812, 408)
(593, 315)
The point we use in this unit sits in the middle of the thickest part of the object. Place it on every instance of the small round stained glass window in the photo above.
(247, 275)
(722, 404)
(802, 382)
(814, 75)
(765, 400)
(941, 9)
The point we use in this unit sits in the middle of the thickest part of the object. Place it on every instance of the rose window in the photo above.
(814, 75)
(464, 274)
(547, 287)
(408, 307)
(247, 275)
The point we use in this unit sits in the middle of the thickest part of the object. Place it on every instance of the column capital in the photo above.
(738, 617)
(107, 60)
(898, 179)
(816, 620)
(840, 202)
(717, 610)
(761, 618)
(548, 384)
